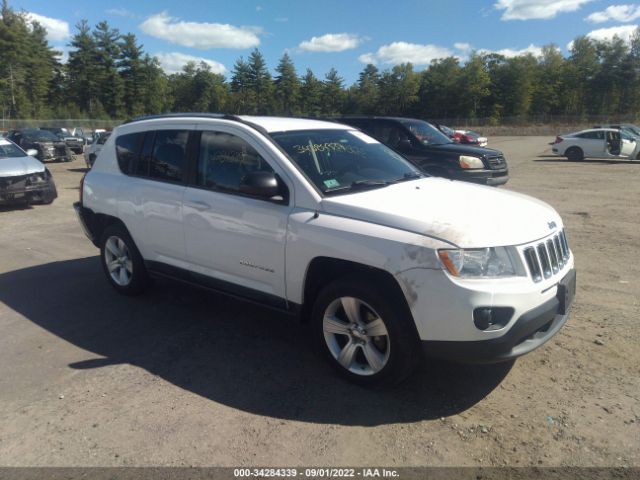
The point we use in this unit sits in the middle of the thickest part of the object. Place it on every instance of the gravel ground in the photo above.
(185, 377)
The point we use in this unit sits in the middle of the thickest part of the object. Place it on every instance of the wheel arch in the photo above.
(324, 270)
(97, 223)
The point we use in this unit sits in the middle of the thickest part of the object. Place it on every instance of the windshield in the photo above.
(102, 139)
(425, 132)
(40, 136)
(344, 160)
(632, 130)
(62, 132)
(9, 150)
(447, 131)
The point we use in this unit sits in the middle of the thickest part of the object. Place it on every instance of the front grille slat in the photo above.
(559, 255)
(497, 162)
(533, 264)
(544, 260)
(548, 257)
(553, 258)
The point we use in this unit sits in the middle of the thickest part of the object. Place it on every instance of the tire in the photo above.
(122, 262)
(350, 347)
(574, 154)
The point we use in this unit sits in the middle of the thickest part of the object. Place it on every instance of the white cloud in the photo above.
(281, 19)
(465, 47)
(331, 42)
(57, 30)
(173, 62)
(512, 52)
(120, 12)
(536, 9)
(403, 52)
(619, 13)
(200, 35)
(624, 32)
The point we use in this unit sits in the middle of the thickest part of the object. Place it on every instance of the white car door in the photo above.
(628, 146)
(235, 240)
(151, 198)
(592, 143)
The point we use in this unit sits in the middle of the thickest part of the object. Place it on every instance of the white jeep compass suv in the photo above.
(320, 220)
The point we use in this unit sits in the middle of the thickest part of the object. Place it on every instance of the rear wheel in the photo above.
(364, 333)
(574, 154)
(122, 262)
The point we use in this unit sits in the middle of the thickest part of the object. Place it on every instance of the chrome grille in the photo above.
(496, 162)
(547, 258)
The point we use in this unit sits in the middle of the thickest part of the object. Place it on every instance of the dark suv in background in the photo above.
(432, 151)
(75, 143)
(46, 143)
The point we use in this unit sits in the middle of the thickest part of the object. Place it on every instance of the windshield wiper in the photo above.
(408, 176)
(359, 184)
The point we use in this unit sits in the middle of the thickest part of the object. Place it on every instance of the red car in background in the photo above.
(466, 137)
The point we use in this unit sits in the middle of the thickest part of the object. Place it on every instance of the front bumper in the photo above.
(483, 177)
(19, 190)
(442, 308)
(57, 152)
(530, 331)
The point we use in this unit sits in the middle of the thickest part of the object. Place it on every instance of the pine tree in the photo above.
(367, 93)
(109, 81)
(260, 83)
(243, 99)
(131, 72)
(82, 70)
(310, 94)
(332, 93)
(287, 87)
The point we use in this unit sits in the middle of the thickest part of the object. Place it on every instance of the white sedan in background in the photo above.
(597, 143)
(92, 150)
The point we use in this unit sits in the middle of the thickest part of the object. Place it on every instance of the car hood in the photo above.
(463, 214)
(459, 149)
(14, 167)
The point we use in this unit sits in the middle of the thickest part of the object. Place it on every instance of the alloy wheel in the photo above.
(356, 336)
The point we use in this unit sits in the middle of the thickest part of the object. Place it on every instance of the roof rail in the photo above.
(222, 116)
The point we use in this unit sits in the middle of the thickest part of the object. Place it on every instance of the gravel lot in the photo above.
(185, 377)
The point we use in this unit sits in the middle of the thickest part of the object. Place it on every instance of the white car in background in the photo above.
(91, 152)
(597, 143)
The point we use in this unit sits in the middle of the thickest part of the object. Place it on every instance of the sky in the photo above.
(344, 34)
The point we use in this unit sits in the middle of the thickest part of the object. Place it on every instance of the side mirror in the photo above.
(260, 184)
(32, 152)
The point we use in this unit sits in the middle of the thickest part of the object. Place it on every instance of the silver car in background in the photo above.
(23, 179)
(91, 152)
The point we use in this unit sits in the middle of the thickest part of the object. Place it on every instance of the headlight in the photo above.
(470, 163)
(36, 178)
(491, 262)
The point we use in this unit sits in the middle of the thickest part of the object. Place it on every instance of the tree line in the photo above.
(108, 75)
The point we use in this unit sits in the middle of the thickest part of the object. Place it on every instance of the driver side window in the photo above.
(225, 159)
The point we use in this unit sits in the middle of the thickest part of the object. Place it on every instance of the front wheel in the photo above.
(122, 262)
(364, 333)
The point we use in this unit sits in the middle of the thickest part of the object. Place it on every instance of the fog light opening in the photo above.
(492, 318)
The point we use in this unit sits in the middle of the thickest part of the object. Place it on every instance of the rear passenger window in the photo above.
(126, 150)
(225, 159)
(169, 151)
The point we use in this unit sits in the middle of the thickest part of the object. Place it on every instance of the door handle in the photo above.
(198, 205)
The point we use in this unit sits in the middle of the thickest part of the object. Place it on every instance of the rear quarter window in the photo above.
(127, 147)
